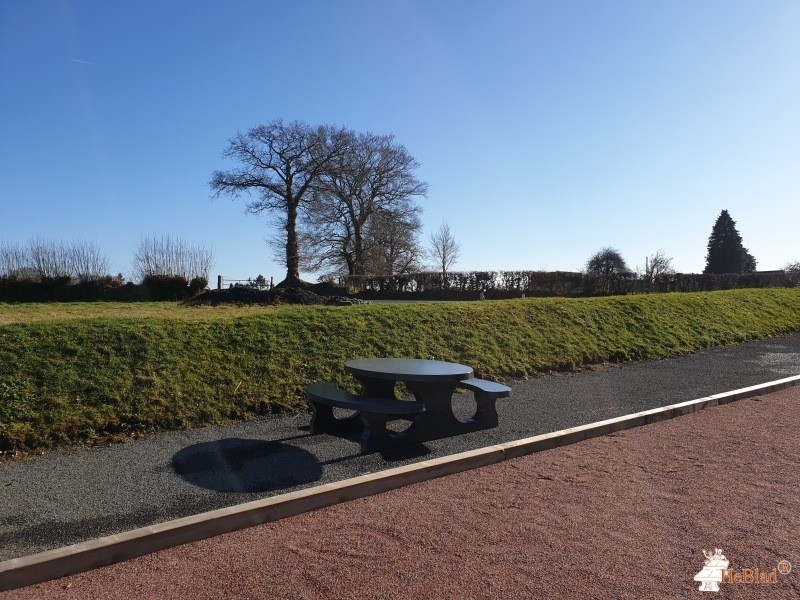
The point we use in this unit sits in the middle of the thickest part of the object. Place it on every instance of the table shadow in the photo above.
(246, 466)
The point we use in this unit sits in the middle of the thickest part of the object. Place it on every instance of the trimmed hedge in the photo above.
(512, 284)
(63, 289)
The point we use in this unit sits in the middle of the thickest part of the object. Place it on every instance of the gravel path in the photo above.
(623, 516)
(69, 496)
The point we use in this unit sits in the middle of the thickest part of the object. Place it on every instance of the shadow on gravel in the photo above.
(246, 466)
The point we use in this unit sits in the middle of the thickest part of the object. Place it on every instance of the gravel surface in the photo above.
(623, 516)
(72, 495)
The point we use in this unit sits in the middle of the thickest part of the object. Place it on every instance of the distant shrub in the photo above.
(41, 260)
(168, 256)
(197, 285)
(166, 287)
(64, 289)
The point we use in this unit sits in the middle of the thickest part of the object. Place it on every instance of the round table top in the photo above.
(408, 369)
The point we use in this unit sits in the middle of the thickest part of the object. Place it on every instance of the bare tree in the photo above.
(443, 249)
(792, 267)
(373, 174)
(171, 257)
(13, 259)
(655, 265)
(46, 259)
(279, 163)
(50, 260)
(392, 246)
(87, 261)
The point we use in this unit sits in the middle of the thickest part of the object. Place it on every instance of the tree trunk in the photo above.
(292, 249)
(358, 257)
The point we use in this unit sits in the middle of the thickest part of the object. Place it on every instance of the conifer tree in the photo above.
(726, 254)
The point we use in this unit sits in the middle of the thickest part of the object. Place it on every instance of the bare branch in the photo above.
(371, 179)
(443, 250)
(279, 164)
(171, 257)
(87, 261)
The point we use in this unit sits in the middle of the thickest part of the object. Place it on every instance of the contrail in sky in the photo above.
(85, 62)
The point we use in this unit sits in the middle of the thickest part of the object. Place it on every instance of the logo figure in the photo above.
(711, 574)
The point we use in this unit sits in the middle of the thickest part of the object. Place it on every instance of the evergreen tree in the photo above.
(726, 254)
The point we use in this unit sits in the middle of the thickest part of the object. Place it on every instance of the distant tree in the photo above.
(279, 164)
(443, 250)
(726, 254)
(13, 259)
(369, 186)
(392, 246)
(607, 262)
(792, 267)
(167, 256)
(46, 259)
(49, 259)
(88, 262)
(657, 264)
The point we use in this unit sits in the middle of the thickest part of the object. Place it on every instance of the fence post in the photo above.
(219, 282)
(270, 282)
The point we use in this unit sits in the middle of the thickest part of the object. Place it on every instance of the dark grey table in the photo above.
(432, 382)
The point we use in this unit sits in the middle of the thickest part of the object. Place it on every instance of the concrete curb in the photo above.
(35, 568)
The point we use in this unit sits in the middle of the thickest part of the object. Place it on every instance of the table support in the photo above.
(432, 383)
(377, 388)
(436, 422)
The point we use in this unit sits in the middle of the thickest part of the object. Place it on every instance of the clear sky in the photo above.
(545, 129)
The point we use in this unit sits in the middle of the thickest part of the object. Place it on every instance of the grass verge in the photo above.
(68, 376)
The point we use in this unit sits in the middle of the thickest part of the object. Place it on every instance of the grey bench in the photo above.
(373, 413)
(486, 393)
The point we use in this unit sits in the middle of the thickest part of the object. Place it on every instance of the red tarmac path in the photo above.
(622, 516)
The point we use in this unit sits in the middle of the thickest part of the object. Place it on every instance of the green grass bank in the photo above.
(79, 372)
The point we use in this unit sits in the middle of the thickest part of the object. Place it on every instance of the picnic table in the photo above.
(432, 384)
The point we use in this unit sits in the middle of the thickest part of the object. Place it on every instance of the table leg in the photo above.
(485, 413)
(323, 421)
(438, 419)
(377, 388)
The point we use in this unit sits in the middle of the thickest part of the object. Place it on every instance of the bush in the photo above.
(197, 285)
(166, 287)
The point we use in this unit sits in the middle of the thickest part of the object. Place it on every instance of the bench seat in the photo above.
(489, 389)
(328, 393)
(486, 393)
(371, 416)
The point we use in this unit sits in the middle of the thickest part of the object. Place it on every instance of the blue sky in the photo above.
(546, 130)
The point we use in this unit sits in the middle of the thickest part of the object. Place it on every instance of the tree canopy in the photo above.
(726, 253)
(278, 164)
(607, 262)
(324, 186)
(364, 200)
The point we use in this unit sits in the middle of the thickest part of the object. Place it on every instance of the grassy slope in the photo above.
(67, 376)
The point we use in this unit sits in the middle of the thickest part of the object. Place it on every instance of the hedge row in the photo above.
(510, 284)
(64, 289)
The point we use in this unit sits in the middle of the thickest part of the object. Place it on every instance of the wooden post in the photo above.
(270, 282)
(219, 282)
